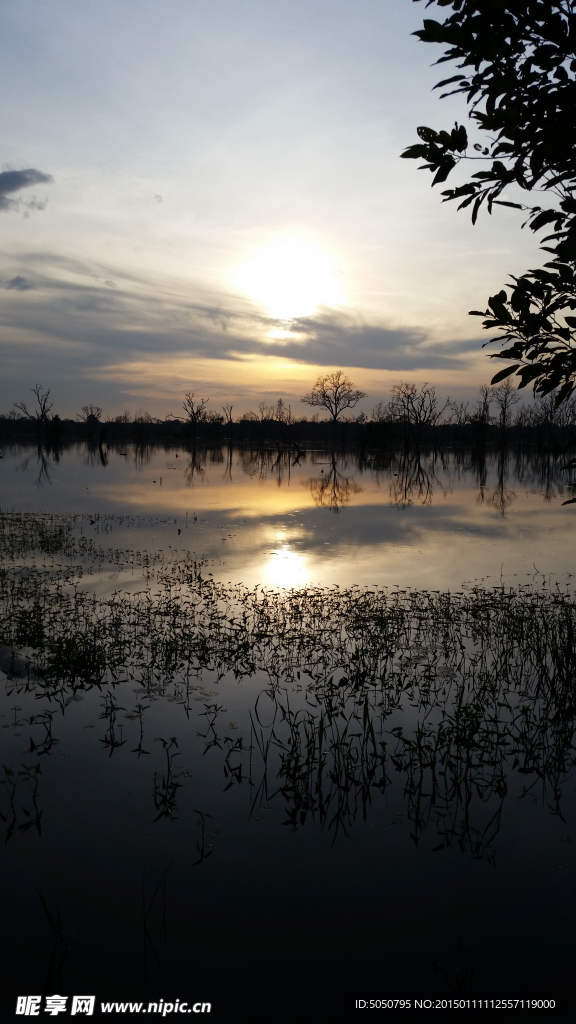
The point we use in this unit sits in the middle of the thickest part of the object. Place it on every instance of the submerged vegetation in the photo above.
(407, 706)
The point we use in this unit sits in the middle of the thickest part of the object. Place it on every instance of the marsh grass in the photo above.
(21, 791)
(442, 697)
(60, 949)
(165, 784)
(155, 923)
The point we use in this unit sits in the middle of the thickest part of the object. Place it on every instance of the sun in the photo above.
(291, 279)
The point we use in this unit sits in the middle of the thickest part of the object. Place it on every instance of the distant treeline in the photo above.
(412, 416)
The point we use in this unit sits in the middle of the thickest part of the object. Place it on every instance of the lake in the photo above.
(282, 731)
(395, 520)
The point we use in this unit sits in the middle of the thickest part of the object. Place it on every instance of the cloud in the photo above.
(337, 338)
(13, 181)
(88, 327)
(18, 284)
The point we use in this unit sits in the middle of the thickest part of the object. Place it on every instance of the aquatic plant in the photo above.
(441, 697)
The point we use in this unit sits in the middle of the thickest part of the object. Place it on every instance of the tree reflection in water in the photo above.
(502, 497)
(414, 475)
(332, 489)
(414, 479)
(43, 465)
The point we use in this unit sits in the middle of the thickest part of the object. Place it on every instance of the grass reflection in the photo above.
(400, 706)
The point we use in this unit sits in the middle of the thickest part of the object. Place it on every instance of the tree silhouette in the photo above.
(44, 405)
(334, 392)
(506, 397)
(416, 408)
(90, 413)
(195, 411)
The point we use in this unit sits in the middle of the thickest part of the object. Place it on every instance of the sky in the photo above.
(208, 196)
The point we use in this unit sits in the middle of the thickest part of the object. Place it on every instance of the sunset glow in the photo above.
(242, 225)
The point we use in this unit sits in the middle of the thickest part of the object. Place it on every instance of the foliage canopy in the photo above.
(517, 64)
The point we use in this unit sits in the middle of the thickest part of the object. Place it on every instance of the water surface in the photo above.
(283, 519)
(283, 800)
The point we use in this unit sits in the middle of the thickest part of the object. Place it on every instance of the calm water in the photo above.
(262, 830)
(432, 521)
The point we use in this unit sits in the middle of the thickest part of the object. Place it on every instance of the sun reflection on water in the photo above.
(286, 568)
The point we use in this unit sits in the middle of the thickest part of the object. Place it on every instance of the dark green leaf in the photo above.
(427, 134)
(503, 374)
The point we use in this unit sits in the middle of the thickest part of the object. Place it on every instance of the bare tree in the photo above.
(42, 413)
(90, 412)
(381, 413)
(282, 413)
(546, 413)
(227, 410)
(195, 411)
(418, 407)
(505, 396)
(460, 414)
(334, 392)
(482, 414)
